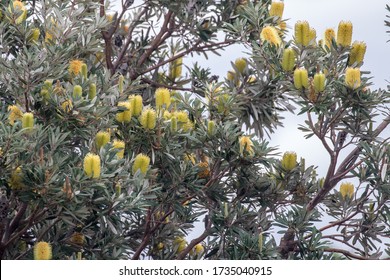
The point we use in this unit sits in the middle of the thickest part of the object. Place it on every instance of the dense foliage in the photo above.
(112, 146)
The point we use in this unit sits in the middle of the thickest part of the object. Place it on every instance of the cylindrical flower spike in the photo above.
(136, 104)
(319, 82)
(34, 37)
(92, 91)
(173, 123)
(211, 128)
(289, 161)
(163, 97)
(302, 33)
(16, 180)
(246, 146)
(92, 165)
(117, 144)
(301, 79)
(270, 34)
(357, 53)
(276, 9)
(75, 67)
(288, 60)
(347, 190)
(312, 36)
(175, 68)
(330, 35)
(148, 118)
(141, 163)
(28, 120)
(84, 70)
(77, 92)
(124, 116)
(240, 64)
(42, 251)
(102, 138)
(352, 77)
(67, 105)
(344, 33)
(14, 114)
(121, 81)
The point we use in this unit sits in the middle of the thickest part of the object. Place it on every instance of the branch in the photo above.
(346, 253)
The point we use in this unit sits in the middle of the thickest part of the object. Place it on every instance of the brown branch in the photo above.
(157, 85)
(194, 242)
(346, 253)
(332, 178)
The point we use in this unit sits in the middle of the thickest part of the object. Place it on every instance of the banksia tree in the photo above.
(112, 148)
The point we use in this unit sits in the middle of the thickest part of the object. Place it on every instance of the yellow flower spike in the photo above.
(92, 165)
(276, 9)
(246, 145)
(187, 126)
(197, 250)
(301, 79)
(136, 104)
(20, 9)
(312, 36)
(92, 91)
(77, 92)
(163, 97)
(189, 158)
(84, 70)
(347, 190)
(289, 161)
(75, 67)
(34, 36)
(357, 53)
(42, 251)
(240, 64)
(14, 114)
(174, 124)
(330, 35)
(67, 106)
(141, 162)
(302, 33)
(118, 188)
(211, 128)
(270, 35)
(102, 138)
(117, 144)
(148, 118)
(121, 81)
(28, 120)
(344, 33)
(180, 244)
(175, 68)
(319, 82)
(231, 76)
(125, 116)
(16, 180)
(182, 116)
(288, 60)
(352, 77)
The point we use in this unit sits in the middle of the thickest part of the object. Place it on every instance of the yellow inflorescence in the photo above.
(301, 79)
(288, 60)
(148, 118)
(42, 251)
(141, 163)
(125, 116)
(240, 64)
(276, 9)
(289, 161)
(163, 97)
(102, 138)
(28, 120)
(270, 35)
(136, 104)
(357, 53)
(92, 165)
(175, 68)
(347, 190)
(319, 82)
(117, 144)
(352, 77)
(14, 114)
(16, 180)
(246, 146)
(75, 67)
(344, 33)
(302, 33)
(330, 35)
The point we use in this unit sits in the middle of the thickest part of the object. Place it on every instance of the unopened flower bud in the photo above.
(173, 123)
(240, 64)
(211, 128)
(92, 165)
(102, 138)
(302, 33)
(92, 91)
(77, 92)
(121, 81)
(357, 53)
(347, 190)
(330, 35)
(276, 9)
(28, 120)
(288, 60)
(344, 33)
(319, 82)
(163, 97)
(352, 77)
(175, 68)
(141, 163)
(301, 79)
(84, 70)
(136, 104)
(289, 161)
